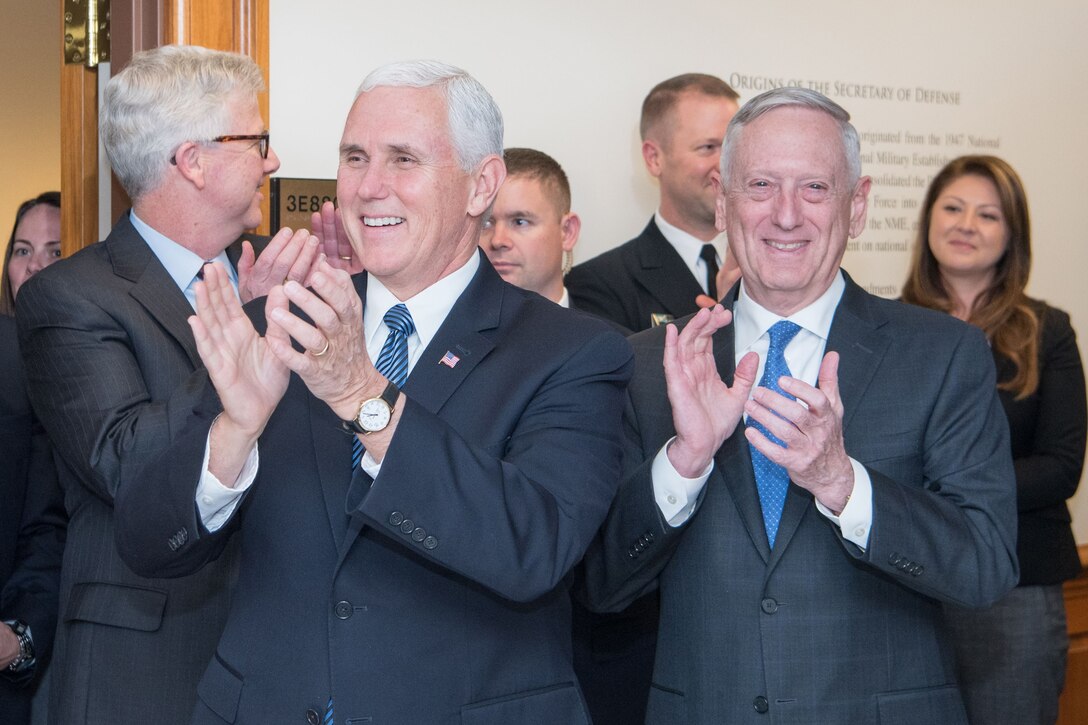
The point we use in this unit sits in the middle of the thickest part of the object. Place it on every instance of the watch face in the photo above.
(374, 415)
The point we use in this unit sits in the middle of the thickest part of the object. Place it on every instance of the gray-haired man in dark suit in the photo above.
(804, 529)
(113, 370)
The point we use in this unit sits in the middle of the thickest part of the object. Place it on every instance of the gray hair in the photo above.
(165, 97)
(791, 96)
(474, 119)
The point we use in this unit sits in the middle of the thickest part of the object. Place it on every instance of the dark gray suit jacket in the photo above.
(820, 631)
(113, 374)
(628, 284)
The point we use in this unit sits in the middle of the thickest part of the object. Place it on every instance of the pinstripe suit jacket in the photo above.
(818, 630)
(113, 373)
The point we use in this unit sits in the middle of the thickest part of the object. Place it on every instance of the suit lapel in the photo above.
(477, 310)
(152, 287)
(430, 384)
(663, 273)
(855, 334)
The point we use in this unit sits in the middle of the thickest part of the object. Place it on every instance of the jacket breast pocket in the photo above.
(118, 605)
(559, 703)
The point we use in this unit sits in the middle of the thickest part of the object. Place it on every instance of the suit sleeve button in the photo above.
(395, 518)
(769, 606)
(406, 526)
(418, 535)
(430, 543)
(342, 610)
(760, 704)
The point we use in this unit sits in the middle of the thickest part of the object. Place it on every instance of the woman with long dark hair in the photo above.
(972, 259)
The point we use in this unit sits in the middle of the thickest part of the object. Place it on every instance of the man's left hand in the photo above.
(811, 428)
(335, 367)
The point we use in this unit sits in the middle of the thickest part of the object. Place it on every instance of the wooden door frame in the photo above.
(236, 25)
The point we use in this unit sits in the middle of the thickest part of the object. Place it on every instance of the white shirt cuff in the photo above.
(855, 521)
(675, 495)
(215, 502)
(370, 466)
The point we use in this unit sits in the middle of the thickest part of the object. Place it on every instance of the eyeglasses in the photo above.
(260, 138)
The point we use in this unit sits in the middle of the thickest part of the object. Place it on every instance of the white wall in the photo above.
(570, 78)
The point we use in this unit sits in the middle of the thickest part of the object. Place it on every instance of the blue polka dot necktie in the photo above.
(392, 360)
(772, 480)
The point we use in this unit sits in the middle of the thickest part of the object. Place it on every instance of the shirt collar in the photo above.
(181, 264)
(686, 245)
(564, 301)
(752, 320)
(428, 308)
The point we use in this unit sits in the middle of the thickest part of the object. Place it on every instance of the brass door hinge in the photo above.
(86, 32)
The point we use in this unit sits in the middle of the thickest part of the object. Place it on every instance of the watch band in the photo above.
(25, 659)
(388, 396)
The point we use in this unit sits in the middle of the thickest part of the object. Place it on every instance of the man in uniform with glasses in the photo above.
(113, 370)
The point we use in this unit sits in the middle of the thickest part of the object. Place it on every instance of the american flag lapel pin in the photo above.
(449, 359)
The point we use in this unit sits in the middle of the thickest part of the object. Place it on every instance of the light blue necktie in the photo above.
(772, 480)
(392, 360)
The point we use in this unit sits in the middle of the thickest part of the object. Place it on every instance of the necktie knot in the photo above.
(399, 319)
(781, 333)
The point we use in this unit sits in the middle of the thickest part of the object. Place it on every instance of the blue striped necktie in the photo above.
(392, 360)
(772, 480)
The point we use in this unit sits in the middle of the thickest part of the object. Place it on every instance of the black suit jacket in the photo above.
(819, 630)
(114, 375)
(644, 277)
(438, 594)
(32, 524)
(1047, 431)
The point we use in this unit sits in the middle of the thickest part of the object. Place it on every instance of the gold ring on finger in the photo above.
(322, 351)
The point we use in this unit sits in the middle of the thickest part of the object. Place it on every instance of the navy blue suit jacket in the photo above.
(438, 594)
(627, 285)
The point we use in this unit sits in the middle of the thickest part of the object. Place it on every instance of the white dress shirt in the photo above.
(689, 248)
(429, 309)
(676, 495)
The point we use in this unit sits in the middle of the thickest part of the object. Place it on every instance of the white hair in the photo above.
(165, 97)
(475, 122)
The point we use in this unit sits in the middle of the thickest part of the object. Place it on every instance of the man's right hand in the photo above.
(705, 411)
(249, 379)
